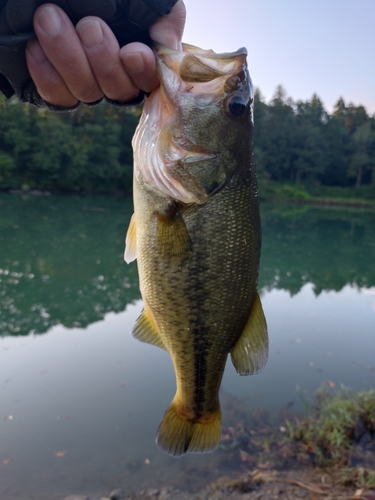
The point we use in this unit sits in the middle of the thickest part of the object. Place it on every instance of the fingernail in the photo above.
(35, 51)
(134, 62)
(91, 34)
(49, 20)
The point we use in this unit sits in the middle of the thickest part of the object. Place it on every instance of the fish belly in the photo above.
(198, 268)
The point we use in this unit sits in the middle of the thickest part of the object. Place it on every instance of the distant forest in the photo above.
(90, 150)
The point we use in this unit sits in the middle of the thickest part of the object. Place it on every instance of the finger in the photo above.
(139, 63)
(49, 84)
(60, 43)
(168, 29)
(103, 54)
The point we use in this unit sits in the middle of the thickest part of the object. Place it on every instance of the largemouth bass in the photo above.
(196, 235)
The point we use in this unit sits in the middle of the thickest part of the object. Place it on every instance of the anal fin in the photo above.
(131, 242)
(250, 353)
(146, 331)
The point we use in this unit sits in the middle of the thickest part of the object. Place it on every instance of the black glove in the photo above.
(130, 21)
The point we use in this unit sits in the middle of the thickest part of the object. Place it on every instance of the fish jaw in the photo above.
(195, 86)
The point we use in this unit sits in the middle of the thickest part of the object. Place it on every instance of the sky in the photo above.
(325, 47)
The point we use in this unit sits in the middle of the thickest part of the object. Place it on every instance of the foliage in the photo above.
(299, 142)
(339, 421)
(90, 150)
(338, 434)
(338, 431)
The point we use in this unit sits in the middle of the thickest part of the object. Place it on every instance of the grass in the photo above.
(327, 450)
(336, 431)
(317, 194)
(339, 422)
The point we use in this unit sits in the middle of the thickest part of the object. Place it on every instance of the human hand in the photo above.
(84, 63)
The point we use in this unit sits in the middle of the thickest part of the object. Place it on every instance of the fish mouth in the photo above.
(194, 64)
(204, 75)
(199, 72)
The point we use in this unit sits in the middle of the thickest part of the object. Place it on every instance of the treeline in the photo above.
(90, 149)
(301, 142)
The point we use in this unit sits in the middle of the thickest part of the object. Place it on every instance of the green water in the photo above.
(80, 399)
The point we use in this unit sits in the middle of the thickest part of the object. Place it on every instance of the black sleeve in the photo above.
(130, 21)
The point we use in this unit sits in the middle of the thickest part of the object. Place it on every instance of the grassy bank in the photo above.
(327, 453)
(363, 197)
(337, 429)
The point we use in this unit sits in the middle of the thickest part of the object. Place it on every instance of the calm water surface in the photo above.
(81, 400)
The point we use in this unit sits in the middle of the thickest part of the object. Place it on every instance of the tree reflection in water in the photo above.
(61, 257)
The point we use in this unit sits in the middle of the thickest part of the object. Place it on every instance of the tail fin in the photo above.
(178, 435)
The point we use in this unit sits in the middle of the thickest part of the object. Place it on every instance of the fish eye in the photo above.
(236, 105)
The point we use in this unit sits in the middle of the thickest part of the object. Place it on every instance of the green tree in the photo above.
(89, 150)
(363, 159)
(310, 152)
(279, 129)
(259, 135)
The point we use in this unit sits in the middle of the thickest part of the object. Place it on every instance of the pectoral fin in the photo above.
(146, 331)
(131, 242)
(249, 354)
(172, 235)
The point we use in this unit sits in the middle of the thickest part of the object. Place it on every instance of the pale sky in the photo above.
(321, 46)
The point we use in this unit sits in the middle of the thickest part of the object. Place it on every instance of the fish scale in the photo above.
(198, 254)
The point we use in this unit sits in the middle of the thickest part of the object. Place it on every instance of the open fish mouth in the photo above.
(197, 72)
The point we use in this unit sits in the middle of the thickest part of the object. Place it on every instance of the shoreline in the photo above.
(328, 454)
(325, 202)
(307, 482)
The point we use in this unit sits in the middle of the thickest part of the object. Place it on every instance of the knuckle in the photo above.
(51, 86)
(114, 84)
(89, 93)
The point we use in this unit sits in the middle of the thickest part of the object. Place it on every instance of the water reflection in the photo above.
(61, 258)
(81, 405)
(328, 248)
(61, 261)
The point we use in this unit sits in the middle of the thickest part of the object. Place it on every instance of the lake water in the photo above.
(81, 400)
